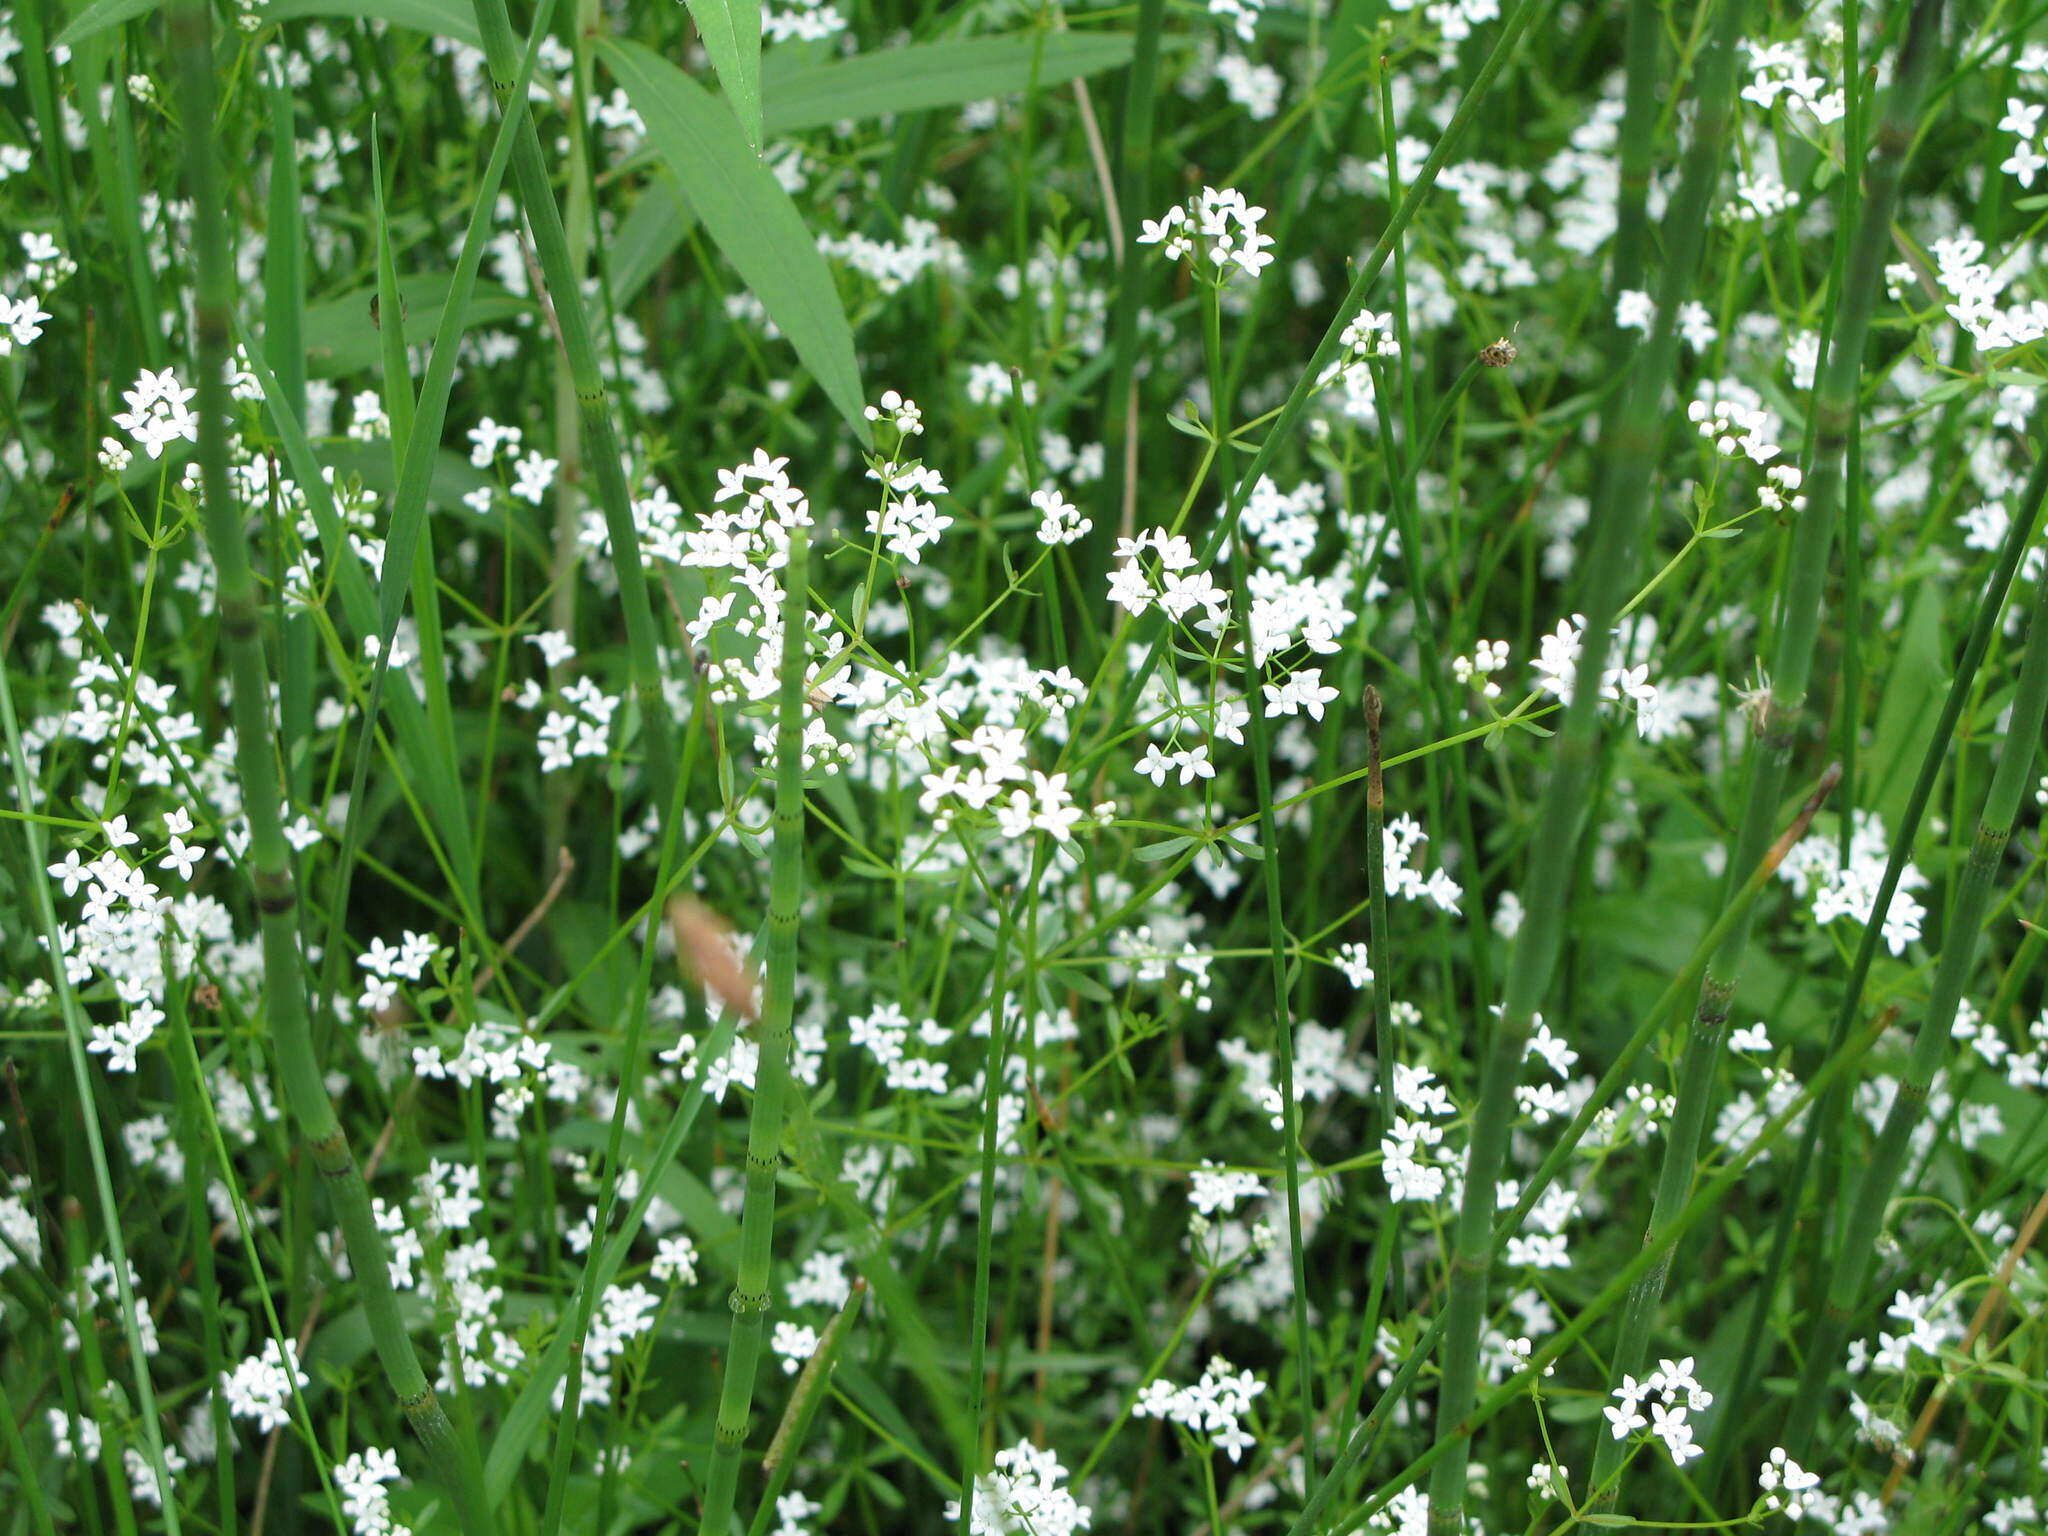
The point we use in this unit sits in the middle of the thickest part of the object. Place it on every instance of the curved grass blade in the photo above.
(748, 216)
(924, 75)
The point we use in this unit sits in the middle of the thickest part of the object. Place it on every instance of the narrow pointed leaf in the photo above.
(747, 214)
(103, 17)
(445, 18)
(924, 75)
(731, 30)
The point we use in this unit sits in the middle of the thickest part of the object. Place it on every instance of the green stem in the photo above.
(1259, 737)
(984, 1227)
(242, 621)
(1991, 604)
(1776, 732)
(750, 1294)
(1627, 449)
(1961, 944)
(1380, 955)
(599, 439)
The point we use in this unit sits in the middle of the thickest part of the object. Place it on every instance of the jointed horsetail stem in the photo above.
(1791, 668)
(242, 622)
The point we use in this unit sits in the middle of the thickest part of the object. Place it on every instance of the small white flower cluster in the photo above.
(884, 1032)
(804, 21)
(389, 964)
(1785, 1483)
(1367, 336)
(675, 1260)
(582, 729)
(1191, 764)
(125, 926)
(1549, 1480)
(1671, 1394)
(1243, 15)
(1476, 670)
(18, 1225)
(1975, 288)
(1151, 953)
(1928, 1322)
(1403, 835)
(1041, 802)
(1815, 867)
(1407, 1160)
(1760, 191)
(1324, 1065)
(21, 322)
(1213, 1409)
(2023, 119)
(103, 1281)
(44, 264)
(822, 1283)
(1060, 521)
(260, 1387)
(908, 520)
(1734, 418)
(158, 413)
(1023, 1496)
(1220, 227)
(514, 1062)
(891, 265)
(1213, 1188)
(1544, 1102)
(898, 411)
(1557, 669)
(1781, 71)
(1258, 88)
(360, 1479)
(1303, 692)
(1175, 586)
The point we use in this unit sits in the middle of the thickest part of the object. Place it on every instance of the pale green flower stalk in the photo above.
(242, 622)
(750, 1295)
(1628, 447)
(1380, 955)
(1777, 728)
(1963, 939)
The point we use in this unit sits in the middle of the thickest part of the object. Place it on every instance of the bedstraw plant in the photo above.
(1022, 768)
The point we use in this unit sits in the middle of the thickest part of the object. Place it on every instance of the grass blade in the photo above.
(748, 216)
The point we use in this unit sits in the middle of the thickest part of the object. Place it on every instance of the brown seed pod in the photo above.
(710, 952)
(1500, 354)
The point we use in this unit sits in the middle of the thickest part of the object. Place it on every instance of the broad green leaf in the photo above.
(924, 75)
(650, 235)
(747, 215)
(447, 18)
(103, 16)
(731, 30)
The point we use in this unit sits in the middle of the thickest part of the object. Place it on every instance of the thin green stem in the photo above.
(242, 622)
(750, 1294)
(1962, 942)
(1628, 447)
(1777, 730)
